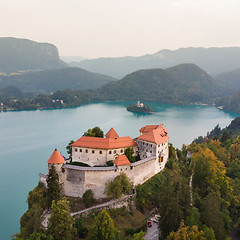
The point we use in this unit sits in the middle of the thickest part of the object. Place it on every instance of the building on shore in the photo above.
(151, 146)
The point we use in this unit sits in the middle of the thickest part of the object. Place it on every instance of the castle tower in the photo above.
(57, 160)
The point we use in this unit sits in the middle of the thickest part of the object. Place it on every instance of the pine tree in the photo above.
(61, 223)
(104, 228)
(53, 188)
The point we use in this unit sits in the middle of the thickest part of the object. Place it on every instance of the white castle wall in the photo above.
(94, 157)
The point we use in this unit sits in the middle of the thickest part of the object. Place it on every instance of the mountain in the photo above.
(230, 103)
(11, 92)
(58, 79)
(26, 55)
(230, 79)
(212, 60)
(182, 84)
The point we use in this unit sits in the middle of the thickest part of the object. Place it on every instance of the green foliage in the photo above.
(129, 154)
(209, 233)
(120, 185)
(61, 224)
(30, 222)
(187, 233)
(104, 228)
(88, 198)
(138, 236)
(81, 229)
(94, 132)
(81, 164)
(110, 163)
(69, 147)
(193, 218)
(53, 188)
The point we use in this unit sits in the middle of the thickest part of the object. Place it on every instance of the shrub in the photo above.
(88, 198)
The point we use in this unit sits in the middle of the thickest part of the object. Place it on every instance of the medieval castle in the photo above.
(151, 146)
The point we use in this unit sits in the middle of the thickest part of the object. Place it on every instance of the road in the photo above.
(152, 232)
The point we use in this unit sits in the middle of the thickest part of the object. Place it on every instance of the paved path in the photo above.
(153, 232)
(46, 214)
(103, 205)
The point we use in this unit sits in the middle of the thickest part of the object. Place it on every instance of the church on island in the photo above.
(94, 153)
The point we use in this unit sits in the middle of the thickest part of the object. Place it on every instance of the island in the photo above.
(140, 108)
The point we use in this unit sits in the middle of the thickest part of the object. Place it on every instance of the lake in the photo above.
(28, 138)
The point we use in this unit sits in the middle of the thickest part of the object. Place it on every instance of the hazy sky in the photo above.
(111, 28)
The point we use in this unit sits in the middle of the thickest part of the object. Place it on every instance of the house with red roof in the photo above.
(97, 151)
(153, 140)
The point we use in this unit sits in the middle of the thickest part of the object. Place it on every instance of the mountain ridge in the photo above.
(213, 60)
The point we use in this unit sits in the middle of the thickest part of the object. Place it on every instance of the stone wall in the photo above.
(79, 179)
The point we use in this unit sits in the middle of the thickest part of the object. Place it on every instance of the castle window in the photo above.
(131, 167)
(151, 145)
(150, 151)
(126, 168)
(86, 150)
(146, 150)
(100, 151)
(114, 151)
(93, 151)
(147, 144)
(121, 150)
(75, 149)
(80, 150)
(143, 143)
(110, 152)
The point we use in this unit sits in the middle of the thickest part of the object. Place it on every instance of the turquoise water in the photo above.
(28, 138)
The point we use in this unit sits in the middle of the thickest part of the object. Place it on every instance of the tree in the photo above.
(88, 198)
(31, 221)
(53, 188)
(138, 236)
(104, 228)
(120, 185)
(212, 216)
(129, 154)
(187, 233)
(61, 223)
(94, 132)
(69, 148)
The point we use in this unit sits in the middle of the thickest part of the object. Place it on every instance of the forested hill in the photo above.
(24, 55)
(231, 79)
(230, 103)
(52, 80)
(212, 60)
(182, 84)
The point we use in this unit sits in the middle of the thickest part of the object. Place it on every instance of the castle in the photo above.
(151, 146)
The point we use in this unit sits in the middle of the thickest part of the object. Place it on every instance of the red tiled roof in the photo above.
(148, 128)
(158, 135)
(111, 134)
(121, 160)
(55, 158)
(104, 143)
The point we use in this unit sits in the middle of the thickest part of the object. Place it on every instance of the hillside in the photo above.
(231, 79)
(24, 55)
(182, 84)
(212, 60)
(57, 79)
(230, 103)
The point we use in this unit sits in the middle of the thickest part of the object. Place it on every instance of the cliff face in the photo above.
(22, 55)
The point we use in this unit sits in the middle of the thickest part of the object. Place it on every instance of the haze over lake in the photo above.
(28, 138)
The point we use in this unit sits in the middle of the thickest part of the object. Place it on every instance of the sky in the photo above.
(115, 28)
